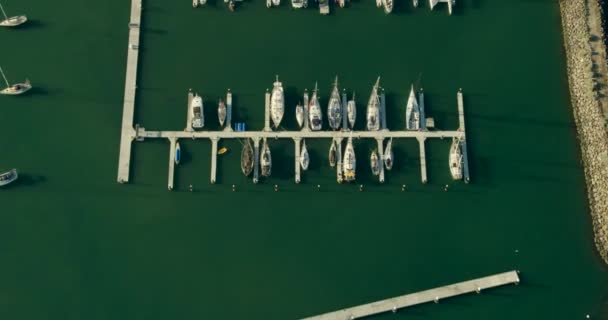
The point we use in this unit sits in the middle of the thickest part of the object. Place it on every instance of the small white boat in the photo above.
(221, 112)
(196, 107)
(375, 163)
(349, 163)
(297, 4)
(265, 160)
(276, 3)
(300, 115)
(314, 112)
(378, 3)
(12, 21)
(332, 154)
(277, 103)
(373, 109)
(412, 112)
(178, 153)
(388, 155)
(268, 3)
(8, 177)
(202, 2)
(324, 7)
(14, 89)
(334, 107)
(415, 3)
(341, 3)
(456, 159)
(194, 3)
(304, 158)
(352, 111)
(388, 6)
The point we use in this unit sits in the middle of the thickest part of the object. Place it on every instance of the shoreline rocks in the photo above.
(587, 75)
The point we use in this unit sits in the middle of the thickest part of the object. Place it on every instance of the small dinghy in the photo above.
(304, 158)
(8, 177)
(300, 115)
(388, 155)
(221, 112)
(352, 112)
(178, 153)
(332, 154)
(375, 164)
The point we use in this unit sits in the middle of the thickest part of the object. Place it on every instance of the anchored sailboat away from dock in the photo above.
(15, 89)
(8, 177)
(11, 21)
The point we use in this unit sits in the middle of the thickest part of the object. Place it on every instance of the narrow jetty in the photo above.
(256, 159)
(298, 152)
(173, 142)
(461, 128)
(128, 132)
(344, 112)
(422, 159)
(267, 112)
(214, 141)
(380, 159)
(432, 295)
(189, 113)
(228, 111)
(383, 110)
(421, 107)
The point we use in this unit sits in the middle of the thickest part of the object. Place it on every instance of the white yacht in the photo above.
(194, 3)
(412, 112)
(196, 107)
(314, 112)
(14, 89)
(349, 163)
(221, 112)
(300, 115)
(388, 155)
(265, 160)
(304, 157)
(378, 3)
(277, 103)
(341, 3)
(332, 154)
(375, 163)
(456, 159)
(12, 21)
(352, 111)
(276, 3)
(388, 6)
(297, 4)
(334, 107)
(373, 109)
(8, 177)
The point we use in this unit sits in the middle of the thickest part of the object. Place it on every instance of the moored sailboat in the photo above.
(265, 160)
(349, 163)
(247, 158)
(300, 115)
(334, 107)
(374, 163)
(388, 6)
(314, 111)
(456, 159)
(373, 109)
(178, 153)
(352, 111)
(388, 155)
(412, 112)
(221, 112)
(277, 103)
(304, 157)
(196, 107)
(332, 154)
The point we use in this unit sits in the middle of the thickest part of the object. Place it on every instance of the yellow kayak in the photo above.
(222, 151)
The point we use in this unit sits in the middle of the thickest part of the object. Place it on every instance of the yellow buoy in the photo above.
(222, 150)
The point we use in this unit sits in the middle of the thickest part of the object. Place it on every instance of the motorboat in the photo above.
(247, 158)
(265, 160)
(349, 162)
(12, 21)
(373, 109)
(388, 155)
(277, 103)
(351, 110)
(412, 112)
(388, 6)
(456, 159)
(8, 177)
(178, 153)
(300, 115)
(375, 163)
(304, 157)
(221, 112)
(334, 107)
(314, 111)
(196, 107)
(332, 154)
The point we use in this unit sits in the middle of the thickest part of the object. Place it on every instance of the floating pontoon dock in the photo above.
(432, 295)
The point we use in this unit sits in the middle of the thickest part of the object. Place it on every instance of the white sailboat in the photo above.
(456, 159)
(349, 163)
(373, 109)
(412, 112)
(378, 3)
(341, 3)
(388, 155)
(314, 111)
(388, 6)
(300, 115)
(221, 112)
(304, 157)
(265, 160)
(8, 177)
(276, 3)
(352, 111)
(15, 89)
(332, 154)
(415, 3)
(11, 21)
(374, 163)
(334, 107)
(196, 107)
(277, 103)
(297, 4)
(268, 3)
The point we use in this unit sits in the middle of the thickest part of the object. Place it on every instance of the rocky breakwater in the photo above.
(584, 76)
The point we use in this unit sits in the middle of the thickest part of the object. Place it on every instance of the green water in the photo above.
(74, 244)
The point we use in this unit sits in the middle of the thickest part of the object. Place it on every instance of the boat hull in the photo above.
(332, 154)
(314, 112)
(352, 113)
(349, 163)
(456, 160)
(304, 157)
(8, 177)
(247, 159)
(16, 89)
(300, 115)
(221, 113)
(13, 21)
(178, 153)
(277, 104)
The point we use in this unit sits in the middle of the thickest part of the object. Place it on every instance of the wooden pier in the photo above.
(432, 295)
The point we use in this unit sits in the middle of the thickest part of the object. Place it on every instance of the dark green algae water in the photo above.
(74, 244)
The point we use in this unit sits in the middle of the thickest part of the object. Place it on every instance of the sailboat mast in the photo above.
(3, 13)
(2, 72)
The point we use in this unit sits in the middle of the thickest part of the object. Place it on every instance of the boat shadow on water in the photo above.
(31, 24)
(26, 180)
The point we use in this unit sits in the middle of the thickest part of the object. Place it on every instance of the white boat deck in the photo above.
(432, 295)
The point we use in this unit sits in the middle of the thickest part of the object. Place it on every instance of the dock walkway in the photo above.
(432, 295)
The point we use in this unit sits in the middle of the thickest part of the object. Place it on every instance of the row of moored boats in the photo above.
(197, 116)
